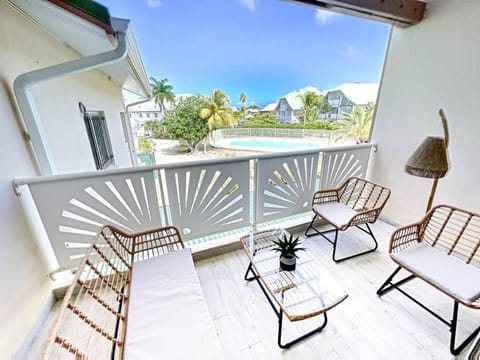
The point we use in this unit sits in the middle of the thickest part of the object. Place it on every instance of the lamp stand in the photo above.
(432, 194)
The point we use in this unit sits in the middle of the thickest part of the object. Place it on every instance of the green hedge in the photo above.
(313, 125)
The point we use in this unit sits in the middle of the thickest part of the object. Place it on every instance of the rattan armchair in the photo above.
(443, 249)
(356, 202)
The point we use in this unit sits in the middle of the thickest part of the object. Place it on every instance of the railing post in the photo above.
(255, 194)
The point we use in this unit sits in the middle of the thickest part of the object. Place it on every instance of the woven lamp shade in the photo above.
(430, 160)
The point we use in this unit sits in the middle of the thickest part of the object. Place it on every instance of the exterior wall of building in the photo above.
(142, 113)
(24, 284)
(340, 104)
(284, 113)
(281, 111)
(423, 74)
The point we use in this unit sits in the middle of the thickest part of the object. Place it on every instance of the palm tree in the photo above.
(323, 105)
(310, 105)
(356, 124)
(217, 113)
(243, 110)
(162, 92)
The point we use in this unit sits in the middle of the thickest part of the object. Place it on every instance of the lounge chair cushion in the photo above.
(168, 316)
(337, 214)
(451, 275)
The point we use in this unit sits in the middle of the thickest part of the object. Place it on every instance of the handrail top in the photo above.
(140, 169)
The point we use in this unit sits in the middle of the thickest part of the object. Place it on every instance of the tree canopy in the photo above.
(154, 127)
(185, 123)
(162, 92)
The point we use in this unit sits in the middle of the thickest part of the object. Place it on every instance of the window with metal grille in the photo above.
(99, 139)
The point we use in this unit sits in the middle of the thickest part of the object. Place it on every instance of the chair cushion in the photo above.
(451, 275)
(168, 316)
(337, 214)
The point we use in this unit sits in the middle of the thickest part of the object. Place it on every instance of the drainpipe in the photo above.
(24, 83)
(131, 141)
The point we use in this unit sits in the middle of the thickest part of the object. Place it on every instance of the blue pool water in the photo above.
(273, 144)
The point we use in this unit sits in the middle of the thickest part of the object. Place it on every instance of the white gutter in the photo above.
(24, 83)
(131, 141)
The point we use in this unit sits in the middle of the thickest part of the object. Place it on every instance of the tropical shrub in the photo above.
(145, 145)
(356, 124)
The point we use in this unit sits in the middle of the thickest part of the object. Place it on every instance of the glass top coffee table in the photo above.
(305, 292)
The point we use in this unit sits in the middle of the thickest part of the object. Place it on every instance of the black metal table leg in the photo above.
(250, 269)
(300, 338)
(279, 312)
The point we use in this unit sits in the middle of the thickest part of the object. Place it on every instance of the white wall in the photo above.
(24, 285)
(431, 65)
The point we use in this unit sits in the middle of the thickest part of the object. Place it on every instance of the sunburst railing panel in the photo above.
(338, 165)
(72, 211)
(285, 185)
(209, 199)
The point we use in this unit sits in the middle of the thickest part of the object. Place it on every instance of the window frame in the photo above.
(99, 138)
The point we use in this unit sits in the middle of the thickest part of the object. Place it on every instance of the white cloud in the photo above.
(249, 4)
(324, 16)
(350, 51)
(154, 3)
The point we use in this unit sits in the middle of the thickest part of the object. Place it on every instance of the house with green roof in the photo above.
(289, 105)
(345, 97)
(341, 99)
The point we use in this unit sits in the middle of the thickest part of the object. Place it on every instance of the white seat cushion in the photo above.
(446, 272)
(337, 214)
(168, 316)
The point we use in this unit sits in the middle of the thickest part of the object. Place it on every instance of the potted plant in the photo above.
(288, 246)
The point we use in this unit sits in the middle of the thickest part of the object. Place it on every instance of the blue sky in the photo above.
(265, 48)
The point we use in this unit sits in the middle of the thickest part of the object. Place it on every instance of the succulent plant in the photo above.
(288, 246)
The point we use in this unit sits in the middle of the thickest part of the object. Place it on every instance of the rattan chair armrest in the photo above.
(404, 237)
(363, 217)
(325, 196)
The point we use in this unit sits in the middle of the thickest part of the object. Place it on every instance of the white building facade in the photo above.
(80, 117)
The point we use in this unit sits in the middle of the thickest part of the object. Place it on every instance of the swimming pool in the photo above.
(272, 144)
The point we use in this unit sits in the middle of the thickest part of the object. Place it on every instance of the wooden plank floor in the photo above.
(362, 327)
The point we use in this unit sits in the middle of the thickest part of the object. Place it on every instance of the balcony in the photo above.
(213, 203)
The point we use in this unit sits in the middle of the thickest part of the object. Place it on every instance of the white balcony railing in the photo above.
(201, 198)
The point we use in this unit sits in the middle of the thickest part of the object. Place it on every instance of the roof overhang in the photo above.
(88, 36)
(396, 12)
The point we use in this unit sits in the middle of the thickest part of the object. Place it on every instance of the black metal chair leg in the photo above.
(453, 331)
(300, 338)
(389, 285)
(384, 289)
(310, 226)
(370, 232)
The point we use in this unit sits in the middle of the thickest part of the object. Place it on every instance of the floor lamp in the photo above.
(430, 159)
